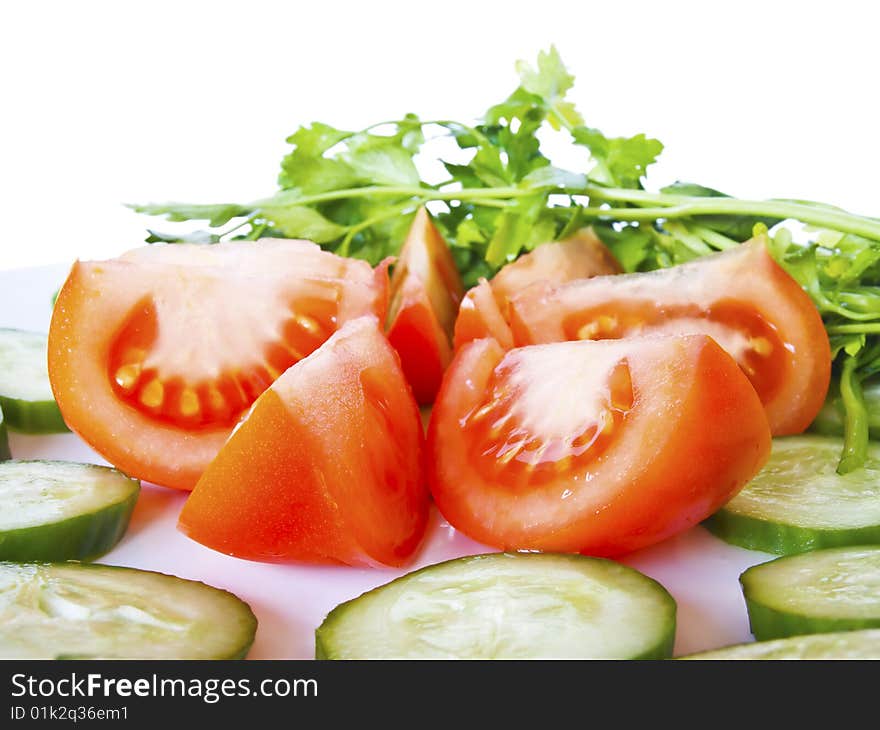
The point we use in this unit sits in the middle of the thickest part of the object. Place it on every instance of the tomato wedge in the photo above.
(485, 310)
(741, 297)
(594, 447)
(582, 256)
(326, 467)
(480, 317)
(156, 355)
(426, 290)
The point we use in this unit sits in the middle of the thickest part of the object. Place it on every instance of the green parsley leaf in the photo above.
(307, 169)
(381, 160)
(548, 176)
(297, 221)
(619, 161)
(551, 82)
(216, 214)
(194, 237)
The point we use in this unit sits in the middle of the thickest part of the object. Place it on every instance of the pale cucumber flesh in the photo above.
(506, 606)
(799, 502)
(57, 610)
(863, 644)
(25, 393)
(815, 592)
(58, 510)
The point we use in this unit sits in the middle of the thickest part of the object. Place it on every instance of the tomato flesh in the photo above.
(480, 317)
(426, 291)
(485, 310)
(595, 447)
(155, 356)
(326, 467)
(582, 256)
(741, 298)
(511, 439)
(420, 341)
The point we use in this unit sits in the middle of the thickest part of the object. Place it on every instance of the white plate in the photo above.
(290, 601)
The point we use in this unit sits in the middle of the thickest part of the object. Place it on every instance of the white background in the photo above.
(103, 103)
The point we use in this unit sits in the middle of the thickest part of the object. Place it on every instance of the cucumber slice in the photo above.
(863, 644)
(4, 439)
(99, 611)
(799, 502)
(818, 592)
(25, 394)
(58, 510)
(506, 606)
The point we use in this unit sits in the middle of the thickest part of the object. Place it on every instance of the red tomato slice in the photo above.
(582, 256)
(420, 341)
(156, 355)
(426, 290)
(480, 317)
(742, 298)
(485, 310)
(326, 467)
(593, 447)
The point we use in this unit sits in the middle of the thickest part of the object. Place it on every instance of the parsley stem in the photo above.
(678, 206)
(399, 191)
(690, 240)
(490, 203)
(246, 221)
(854, 329)
(667, 206)
(855, 425)
(256, 231)
(713, 238)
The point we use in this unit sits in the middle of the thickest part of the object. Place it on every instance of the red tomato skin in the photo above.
(480, 317)
(295, 482)
(427, 255)
(382, 284)
(420, 341)
(582, 256)
(425, 292)
(301, 526)
(682, 470)
(815, 352)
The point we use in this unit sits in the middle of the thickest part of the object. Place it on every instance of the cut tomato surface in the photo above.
(485, 310)
(582, 256)
(422, 344)
(426, 290)
(742, 298)
(327, 466)
(593, 447)
(480, 317)
(156, 355)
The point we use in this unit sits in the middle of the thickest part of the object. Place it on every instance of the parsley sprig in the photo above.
(354, 192)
